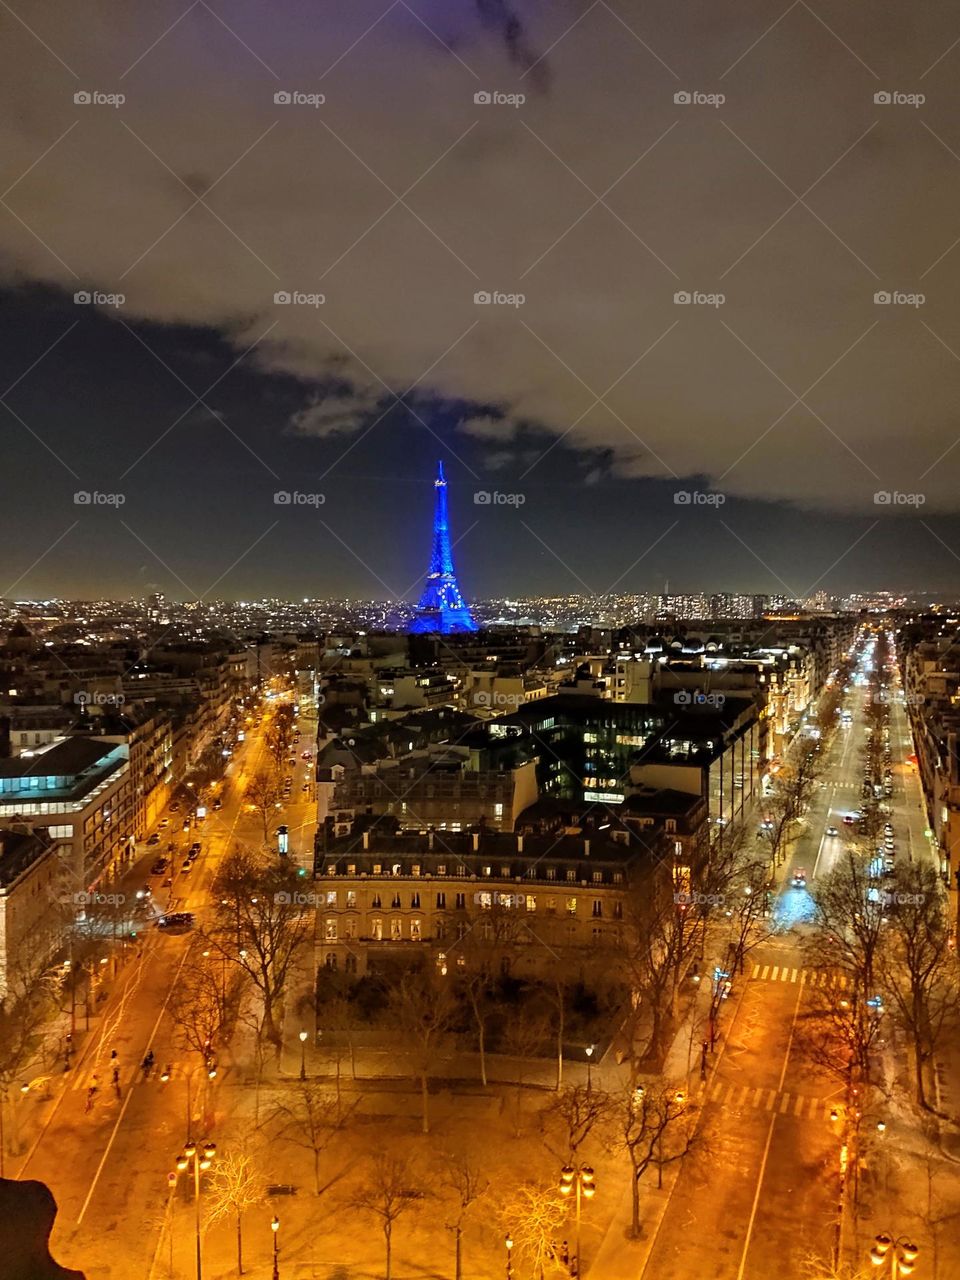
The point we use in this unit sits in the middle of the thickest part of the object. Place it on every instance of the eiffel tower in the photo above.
(442, 607)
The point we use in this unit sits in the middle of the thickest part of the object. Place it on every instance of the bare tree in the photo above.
(263, 794)
(523, 1037)
(260, 926)
(236, 1185)
(533, 1216)
(653, 1124)
(389, 1191)
(466, 1186)
(204, 1003)
(309, 1118)
(422, 1011)
(918, 965)
(575, 1112)
(850, 917)
(23, 1015)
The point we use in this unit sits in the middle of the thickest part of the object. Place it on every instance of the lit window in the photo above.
(377, 930)
(571, 906)
(330, 929)
(351, 897)
(331, 897)
(415, 929)
(396, 927)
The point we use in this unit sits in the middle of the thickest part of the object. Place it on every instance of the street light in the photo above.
(303, 1055)
(581, 1180)
(275, 1228)
(902, 1254)
(202, 1159)
(509, 1243)
(590, 1050)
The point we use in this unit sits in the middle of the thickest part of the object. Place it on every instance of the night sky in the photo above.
(598, 198)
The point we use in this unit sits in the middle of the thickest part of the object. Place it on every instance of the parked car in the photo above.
(153, 838)
(176, 920)
(187, 865)
(159, 867)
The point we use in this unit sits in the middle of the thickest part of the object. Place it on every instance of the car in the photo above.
(196, 845)
(186, 824)
(832, 831)
(174, 808)
(176, 920)
(292, 761)
(305, 787)
(799, 878)
(849, 819)
(193, 855)
(187, 865)
(153, 839)
(143, 893)
(218, 804)
(159, 867)
(766, 825)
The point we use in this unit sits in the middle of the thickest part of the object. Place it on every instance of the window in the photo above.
(597, 932)
(415, 901)
(351, 868)
(485, 900)
(531, 902)
(618, 911)
(551, 873)
(395, 904)
(330, 960)
(377, 868)
(349, 928)
(330, 929)
(487, 870)
(331, 897)
(396, 869)
(505, 872)
(461, 901)
(441, 901)
(618, 877)
(415, 869)
(331, 869)
(571, 906)
(551, 906)
(351, 897)
(597, 908)
(498, 810)
(396, 929)
(376, 930)
(441, 869)
(439, 930)
(597, 877)
(571, 873)
(376, 903)
(415, 928)
(350, 964)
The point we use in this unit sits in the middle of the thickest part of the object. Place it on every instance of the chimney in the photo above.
(366, 840)
(519, 844)
(476, 842)
(430, 840)
(586, 848)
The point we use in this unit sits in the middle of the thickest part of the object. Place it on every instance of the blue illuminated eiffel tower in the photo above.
(442, 607)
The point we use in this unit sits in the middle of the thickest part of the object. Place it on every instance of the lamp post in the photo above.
(589, 1051)
(202, 1159)
(509, 1243)
(581, 1181)
(275, 1228)
(303, 1055)
(901, 1253)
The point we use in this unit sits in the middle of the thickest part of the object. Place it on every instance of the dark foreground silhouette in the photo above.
(27, 1211)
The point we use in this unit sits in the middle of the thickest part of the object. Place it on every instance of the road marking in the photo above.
(766, 1149)
(773, 973)
(126, 1103)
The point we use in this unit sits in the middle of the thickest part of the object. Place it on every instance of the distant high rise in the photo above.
(442, 607)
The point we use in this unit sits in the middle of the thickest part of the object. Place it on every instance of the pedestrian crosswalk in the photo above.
(772, 1101)
(809, 977)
